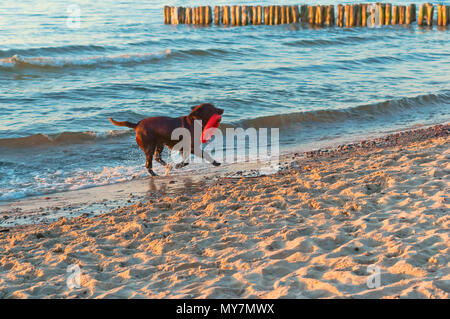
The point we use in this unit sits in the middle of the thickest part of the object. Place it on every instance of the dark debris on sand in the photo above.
(400, 138)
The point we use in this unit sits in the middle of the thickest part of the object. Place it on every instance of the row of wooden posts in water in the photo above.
(348, 15)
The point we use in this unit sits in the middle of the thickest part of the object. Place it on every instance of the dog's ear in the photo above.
(195, 111)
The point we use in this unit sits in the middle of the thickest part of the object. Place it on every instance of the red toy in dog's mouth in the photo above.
(210, 127)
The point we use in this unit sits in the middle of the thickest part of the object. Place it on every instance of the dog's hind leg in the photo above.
(148, 146)
(158, 152)
(149, 151)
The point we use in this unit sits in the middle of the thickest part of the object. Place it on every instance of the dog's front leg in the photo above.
(185, 161)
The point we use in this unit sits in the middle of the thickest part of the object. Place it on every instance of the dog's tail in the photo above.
(124, 123)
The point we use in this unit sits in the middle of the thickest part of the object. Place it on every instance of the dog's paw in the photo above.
(216, 163)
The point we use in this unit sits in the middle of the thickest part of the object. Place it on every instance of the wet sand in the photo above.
(312, 230)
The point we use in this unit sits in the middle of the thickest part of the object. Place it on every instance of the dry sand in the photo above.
(309, 231)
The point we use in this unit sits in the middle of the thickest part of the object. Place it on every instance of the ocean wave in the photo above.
(63, 138)
(46, 62)
(199, 52)
(55, 49)
(60, 62)
(345, 40)
(361, 112)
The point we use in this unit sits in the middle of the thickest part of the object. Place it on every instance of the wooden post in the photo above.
(430, 12)
(445, 15)
(421, 14)
(319, 16)
(208, 15)
(244, 15)
(282, 15)
(271, 15)
(295, 14)
(340, 15)
(238, 15)
(347, 15)
(280, 10)
(233, 15)
(254, 15)
(194, 15)
(216, 15)
(373, 20)
(201, 17)
(249, 15)
(304, 13)
(413, 9)
(387, 14)
(364, 15)
(340, 19)
(166, 15)
(167, 12)
(394, 15)
(174, 15)
(261, 15)
(188, 16)
(358, 17)
(409, 14)
(324, 13)
(179, 11)
(182, 15)
(381, 12)
(266, 15)
(288, 14)
(352, 15)
(330, 15)
(226, 15)
(171, 13)
(277, 15)
(401, 15)
(311, 14)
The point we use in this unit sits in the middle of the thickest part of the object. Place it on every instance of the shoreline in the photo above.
(315, 229)
(101, 199)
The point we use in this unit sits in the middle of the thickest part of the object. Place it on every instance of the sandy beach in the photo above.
(319, 228)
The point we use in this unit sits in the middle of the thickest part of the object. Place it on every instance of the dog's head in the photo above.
(204, 112)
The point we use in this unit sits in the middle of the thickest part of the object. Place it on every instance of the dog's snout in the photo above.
(220, 111)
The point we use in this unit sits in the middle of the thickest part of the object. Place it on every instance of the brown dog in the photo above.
(153, 133)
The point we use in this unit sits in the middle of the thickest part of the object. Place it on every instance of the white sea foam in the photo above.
(61, 181)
